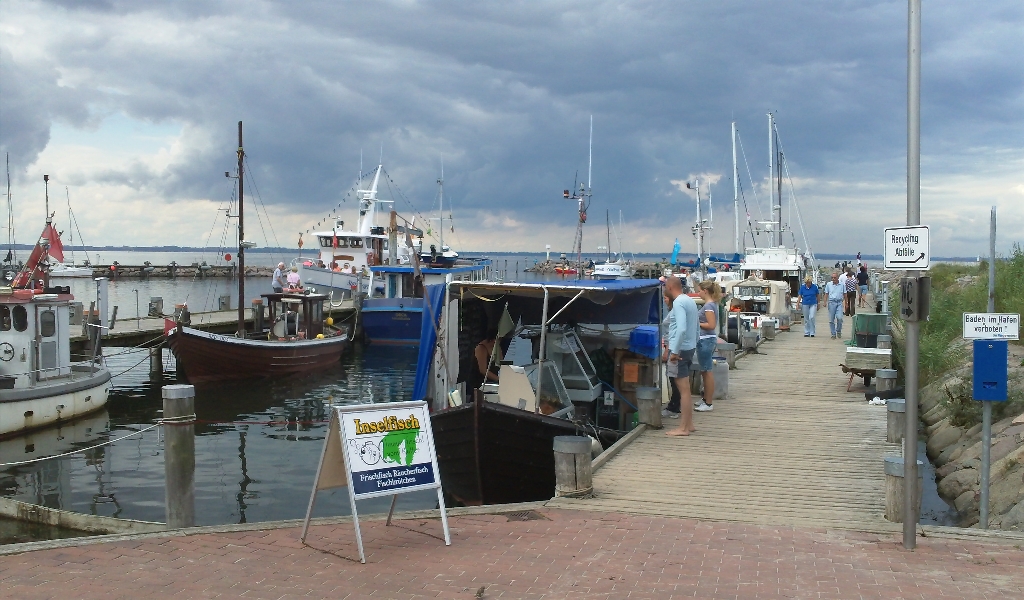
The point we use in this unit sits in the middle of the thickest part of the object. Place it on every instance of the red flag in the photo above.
(56, 247)
(335, 242)
(169, 325)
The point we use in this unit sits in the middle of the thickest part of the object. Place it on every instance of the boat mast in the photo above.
(771, 179)
(440, 207)
(735, 189)
(241, 236)
(778, 180)
(608, 226)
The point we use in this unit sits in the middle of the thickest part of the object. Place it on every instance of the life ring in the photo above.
(371, 259)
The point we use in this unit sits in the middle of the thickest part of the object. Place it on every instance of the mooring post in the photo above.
(885, 380)
(156, 362)
(573, 474)
(895, 488)
(768, 330)
(648, 403)
(895, 419)
(179, 455)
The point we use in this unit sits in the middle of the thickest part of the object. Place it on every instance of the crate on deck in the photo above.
(632, 370)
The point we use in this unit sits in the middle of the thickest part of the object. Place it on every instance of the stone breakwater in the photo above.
(955, 449)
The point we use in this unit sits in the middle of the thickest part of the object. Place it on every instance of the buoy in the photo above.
(329, 321)
(227, 256)
(319, 336)
(113, 268)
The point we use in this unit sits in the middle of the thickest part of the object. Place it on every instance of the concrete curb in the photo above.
(33, 513)
(490, 509)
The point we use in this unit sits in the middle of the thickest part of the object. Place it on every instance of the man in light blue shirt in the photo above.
(836, 292)
(682, 342)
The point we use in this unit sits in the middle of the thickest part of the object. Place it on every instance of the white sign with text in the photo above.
(907, 248)
(991, 326)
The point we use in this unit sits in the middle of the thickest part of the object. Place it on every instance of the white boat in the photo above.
(345, 255)
(618, 269)
(67, 271)
(39, 384)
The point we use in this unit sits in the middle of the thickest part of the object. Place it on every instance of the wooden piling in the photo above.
(156, 362)
(894, 488)
(885, 380)
(648, 402)
(179, 455)
(895, 420)
(573, 474)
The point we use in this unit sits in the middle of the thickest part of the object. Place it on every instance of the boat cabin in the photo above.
(294, 315)
(754, 302)
(775, 264)
(399, 281)
(35, 336)
(577, 349)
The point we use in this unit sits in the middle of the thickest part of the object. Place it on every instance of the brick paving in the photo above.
(566, 554)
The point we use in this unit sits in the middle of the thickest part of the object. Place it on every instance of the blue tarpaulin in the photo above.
(434, 300)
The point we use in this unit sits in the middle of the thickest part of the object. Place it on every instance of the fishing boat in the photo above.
(39, 383)
(392, 311)
(298, 339)
(576, 353)
(341, 268)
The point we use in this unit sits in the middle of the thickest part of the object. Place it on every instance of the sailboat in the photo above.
(620, 268)
(298, 339)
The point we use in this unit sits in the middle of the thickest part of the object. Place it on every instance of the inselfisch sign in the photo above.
(378, 450)
(907, 248)
(991, 326)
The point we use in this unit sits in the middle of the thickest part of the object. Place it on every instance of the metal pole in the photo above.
(543, 347)
(771, 177)
(986, 414)
(735, 189)
(241, 236)
(180, 455)
(910, 516)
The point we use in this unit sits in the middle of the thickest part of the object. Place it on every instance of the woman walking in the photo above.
(851, 293)
(808, 300)
(707, 320)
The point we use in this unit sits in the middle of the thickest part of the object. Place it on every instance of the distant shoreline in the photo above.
(279, 250)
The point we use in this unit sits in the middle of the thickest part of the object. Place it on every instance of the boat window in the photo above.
(5, 318)
(20, 318)
(47, 323)
(357, 243)
(385, 246)
(327, 241)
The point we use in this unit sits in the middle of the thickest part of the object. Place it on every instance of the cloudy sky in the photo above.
(133, 108)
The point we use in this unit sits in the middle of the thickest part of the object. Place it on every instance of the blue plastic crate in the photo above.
(644, 340)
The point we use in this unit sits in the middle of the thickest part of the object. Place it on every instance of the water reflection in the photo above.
(257, 444)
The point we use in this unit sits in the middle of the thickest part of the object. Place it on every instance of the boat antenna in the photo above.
(241, 237)
(46, 191)
(590, 160)
(10, 216)
(71, 231)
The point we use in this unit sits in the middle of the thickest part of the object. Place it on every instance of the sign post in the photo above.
(378, 450)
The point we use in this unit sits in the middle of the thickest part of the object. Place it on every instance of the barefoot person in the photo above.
(682, 343)
(710, 292)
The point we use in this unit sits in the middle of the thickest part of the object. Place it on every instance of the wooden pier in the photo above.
(789, 446)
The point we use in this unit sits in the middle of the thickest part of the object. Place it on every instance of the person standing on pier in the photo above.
(682, 343)
(808, 300)
(672, 410)
(707, 321)
(842, 282)
(836, 293)
(277, 282)
(862, 286)
(851, 293)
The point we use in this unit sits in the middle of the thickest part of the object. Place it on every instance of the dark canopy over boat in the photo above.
(490, 452)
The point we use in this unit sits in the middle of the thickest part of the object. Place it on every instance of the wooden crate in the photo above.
(869, 358)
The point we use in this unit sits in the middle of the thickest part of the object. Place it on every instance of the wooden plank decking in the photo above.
(789, 446)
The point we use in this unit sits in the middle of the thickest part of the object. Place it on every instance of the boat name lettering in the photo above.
(386, 424)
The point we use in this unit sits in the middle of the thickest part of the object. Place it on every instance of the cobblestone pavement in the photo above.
(561, 554)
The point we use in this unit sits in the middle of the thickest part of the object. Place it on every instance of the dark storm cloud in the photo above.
(503, 91)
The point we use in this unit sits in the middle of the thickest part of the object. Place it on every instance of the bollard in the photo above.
(895, 419)
(885, 380)
(884, 341)
(573, 475)
(894, 488)
(768, 330)
(648, 402)
(180, 455)
(720, 372)
(156, 362)
(748, 340)
(727, 351)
